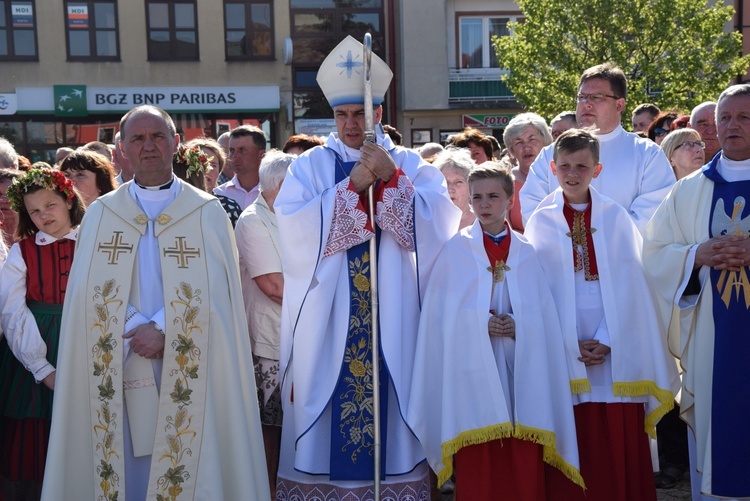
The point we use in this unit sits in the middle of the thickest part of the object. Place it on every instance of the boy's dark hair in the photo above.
(573, 140)
(493, 170)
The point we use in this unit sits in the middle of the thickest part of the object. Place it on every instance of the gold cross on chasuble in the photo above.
(115, 247)
(182, 252)
(498, 271)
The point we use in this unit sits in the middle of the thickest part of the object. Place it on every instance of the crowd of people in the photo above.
(195, 320)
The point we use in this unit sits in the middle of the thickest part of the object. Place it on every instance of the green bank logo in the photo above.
(70, 101)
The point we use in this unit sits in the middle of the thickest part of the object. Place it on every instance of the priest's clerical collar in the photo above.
(497, 238)
(164, 186)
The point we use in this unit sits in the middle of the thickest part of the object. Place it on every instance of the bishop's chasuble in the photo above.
(710, 314)
(326, 447)
(207, 443)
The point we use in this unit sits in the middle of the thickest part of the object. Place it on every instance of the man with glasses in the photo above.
(697, 251)
(636, 174)
(703, 121)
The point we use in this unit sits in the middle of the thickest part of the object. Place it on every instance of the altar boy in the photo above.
(619, 373)
(491, 359)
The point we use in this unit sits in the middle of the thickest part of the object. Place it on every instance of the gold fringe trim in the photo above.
(547, 440)
(578, 386)
(467, 438)
(639, 388)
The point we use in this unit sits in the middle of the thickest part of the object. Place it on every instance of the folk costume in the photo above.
(326, 348)
(501, 405)
(32, 288)
(186, 426)
(591, 257)
(709, 311)
(636, 175)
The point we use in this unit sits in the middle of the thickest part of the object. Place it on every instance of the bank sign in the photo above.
(81, 100)
(498, 121)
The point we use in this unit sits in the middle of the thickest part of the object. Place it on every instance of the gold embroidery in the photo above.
(356, 409)
(498, 270)
(161, 219)
(735, 225)
(182, 252)
(115, 247)
(178, 427)
(736, 281)
(580, 246)
(104, 430)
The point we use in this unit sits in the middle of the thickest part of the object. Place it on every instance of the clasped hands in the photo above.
(147, 341)
(374, 163)
(725, 252)
(592, 352)
(502, 325)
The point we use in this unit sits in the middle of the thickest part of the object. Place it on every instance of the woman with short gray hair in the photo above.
(455, 164)
(525, 136)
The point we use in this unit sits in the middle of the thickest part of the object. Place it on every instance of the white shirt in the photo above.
(234, 190)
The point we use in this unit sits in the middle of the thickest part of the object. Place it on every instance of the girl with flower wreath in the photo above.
(32, 290)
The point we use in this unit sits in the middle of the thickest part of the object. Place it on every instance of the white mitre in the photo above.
(341, 75)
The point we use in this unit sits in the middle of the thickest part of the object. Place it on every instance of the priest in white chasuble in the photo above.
(697, 252)
(156, 391)
(326, 348)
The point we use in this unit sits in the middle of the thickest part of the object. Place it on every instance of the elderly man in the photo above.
(154, 392)
(698, 252)
(121, 163)
(703, 121)
(247, 145)
(326, 348)
(636, 173)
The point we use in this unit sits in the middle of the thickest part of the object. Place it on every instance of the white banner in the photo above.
(8, 104)
(192, 99)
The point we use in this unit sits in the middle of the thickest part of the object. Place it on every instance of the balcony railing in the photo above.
(477, 84)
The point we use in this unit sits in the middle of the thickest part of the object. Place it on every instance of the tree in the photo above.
(675, 53)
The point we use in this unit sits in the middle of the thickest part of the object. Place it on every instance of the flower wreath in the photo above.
(195, 159)
(49, 179)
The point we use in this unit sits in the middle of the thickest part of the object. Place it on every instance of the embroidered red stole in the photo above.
(579, 223)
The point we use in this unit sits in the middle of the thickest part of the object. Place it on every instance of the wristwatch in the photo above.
(156, 326)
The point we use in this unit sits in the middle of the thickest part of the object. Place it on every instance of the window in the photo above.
(317, 27)
(91, 28)
(248, 29)
(475, 48)
(172, 30)
(18, 31)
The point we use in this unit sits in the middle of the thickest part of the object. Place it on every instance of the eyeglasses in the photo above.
(594, 98)
(692, 144)
(659, 132)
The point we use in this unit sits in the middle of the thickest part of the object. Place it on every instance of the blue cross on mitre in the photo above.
(349, 64)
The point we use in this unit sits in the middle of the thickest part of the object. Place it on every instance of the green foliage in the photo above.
(677, 48)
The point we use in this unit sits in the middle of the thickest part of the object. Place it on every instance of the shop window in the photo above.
(92, 30)
(18, 31)
(248, 29)
(172, 30)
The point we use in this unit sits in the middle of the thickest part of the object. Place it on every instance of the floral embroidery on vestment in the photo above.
(395, 213)
(350, 225)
